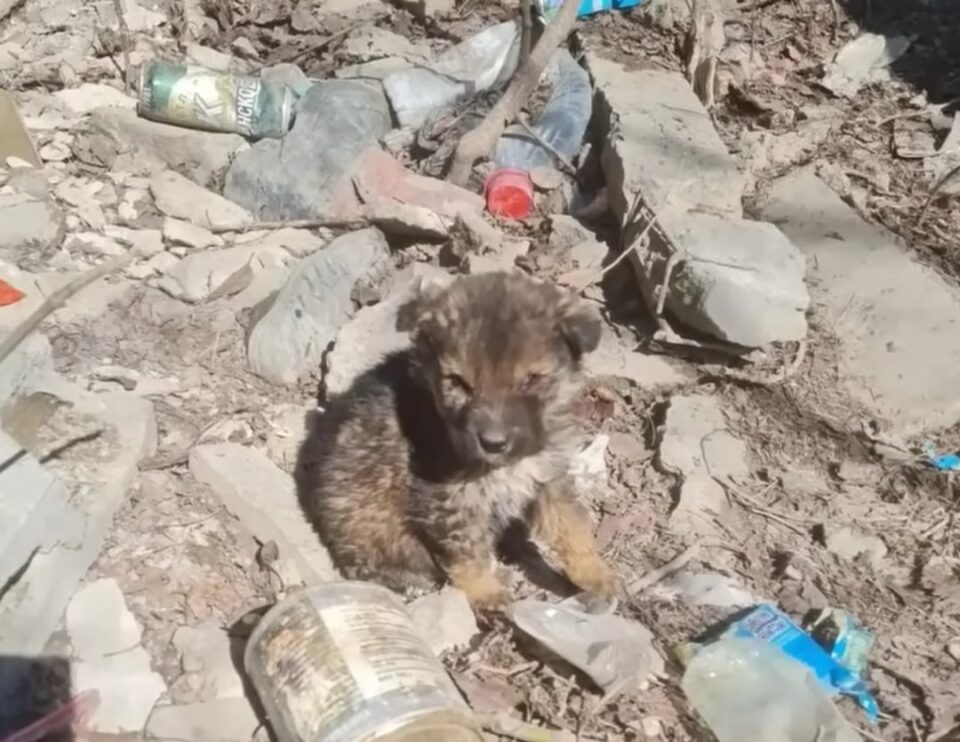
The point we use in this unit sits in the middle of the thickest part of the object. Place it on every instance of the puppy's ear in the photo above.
(580, 326)
(422, 300)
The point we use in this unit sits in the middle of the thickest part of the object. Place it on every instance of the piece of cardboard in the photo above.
(14, 139)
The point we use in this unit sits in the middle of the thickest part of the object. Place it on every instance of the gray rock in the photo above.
(406, 220)
(264, 498)
(198, 275)
(897, 320)
(740, 281)
(292, 335)
(27, 222)
(88, 97)
(31, 610)
(200, 155)
(222, 720)
(696, 439)
(566, 231)
(128, 690)
(297, 242)
(444, 619)
(851, 544)
(424, 9)
(29, 360)
(737, 280)
(613, 358)
(99, 622)
(702, 502)
(179, 232)
(183, 199)
(292, 178)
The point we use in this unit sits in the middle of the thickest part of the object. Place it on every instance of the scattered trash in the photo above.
(943, 461)
(14, 139)
(481, 62)
(9, 294)
(342, 661)
(552, 142)
(864, 61)
(615, 652)
(748, 691)
(775, 628)
(197, 97)
(840, 634)
(548, 8)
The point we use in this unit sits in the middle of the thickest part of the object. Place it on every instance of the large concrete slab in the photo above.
(737, 280)
(897, 321)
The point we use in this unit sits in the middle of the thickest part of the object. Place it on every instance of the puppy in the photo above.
(414, 474)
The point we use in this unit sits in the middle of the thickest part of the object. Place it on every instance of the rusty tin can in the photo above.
(342, 662)
(189, 95)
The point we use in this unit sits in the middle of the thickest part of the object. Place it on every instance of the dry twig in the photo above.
(331, 223)
(654, 576)
(480, 141)
(125, 40)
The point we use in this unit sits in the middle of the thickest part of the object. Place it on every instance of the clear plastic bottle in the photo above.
(749, 691)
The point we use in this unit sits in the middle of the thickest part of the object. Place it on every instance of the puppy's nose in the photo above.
(493, 440)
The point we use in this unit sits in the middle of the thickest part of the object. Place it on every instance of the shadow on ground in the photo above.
(34, 693)
(933, 61)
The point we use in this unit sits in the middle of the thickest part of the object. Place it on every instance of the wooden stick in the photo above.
(56, 300)
(652, 577)
(332, 223)
(480, 141)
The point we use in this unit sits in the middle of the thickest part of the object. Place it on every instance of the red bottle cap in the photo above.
(509, 193)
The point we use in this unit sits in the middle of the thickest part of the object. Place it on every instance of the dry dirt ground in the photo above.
(181, 559)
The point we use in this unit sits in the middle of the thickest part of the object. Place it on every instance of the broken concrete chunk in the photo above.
(199, 154)
(406, 220)
(31, 359)
(27, 222)
(206, 653)
(614, 358)
(852, 544)
(200, 274)
(736, 280)
(181, 198)
(221, 720)
(179, 232)
(264, 498)
(566, 231)
(898, 357)
(661, 141)
(292, 335)
(99, 623)
(444, 619)
(297, 242)
(694, 437)
(88, 97)
(128, 690)
(701, 504)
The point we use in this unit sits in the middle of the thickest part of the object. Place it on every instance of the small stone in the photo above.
(181, 198)
(406, 220)
(27, 222)
(198, 275)
(444, 619)
(163, 262)
(144, 242)
(695, 439)
(287, 427)
(99, 622)
(244, 48)
(297, 242)
(179, 232)
(55, 152)
(953, 649)
(128, 690)
(565, 232)
(96, 244)
(702, 501)
(851, 543)
(424, 9)
(204, 56)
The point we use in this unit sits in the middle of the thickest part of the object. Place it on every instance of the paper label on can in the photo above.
(216, 101)
(378, 650)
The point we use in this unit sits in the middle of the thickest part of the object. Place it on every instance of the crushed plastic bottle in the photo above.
(472, 66)
(562, 125)
(587, 7)
(615, 652)
(747, 690)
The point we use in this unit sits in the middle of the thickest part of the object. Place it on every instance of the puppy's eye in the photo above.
(456, 383)
(532, 380)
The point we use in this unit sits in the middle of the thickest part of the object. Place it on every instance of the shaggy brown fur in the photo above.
(415, 472)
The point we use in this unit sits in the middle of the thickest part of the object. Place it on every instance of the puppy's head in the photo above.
(502, 354)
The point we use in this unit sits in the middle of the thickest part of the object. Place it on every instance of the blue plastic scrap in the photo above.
(771, 625)
(943, 461)
(589, 7)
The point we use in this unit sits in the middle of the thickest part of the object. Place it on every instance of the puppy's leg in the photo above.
(562, 523)
(470, 562)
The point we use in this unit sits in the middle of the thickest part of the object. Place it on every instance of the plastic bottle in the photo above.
(562, 125)
(588, 7)
(749, 691)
